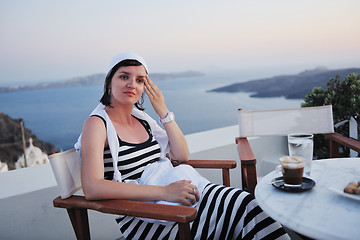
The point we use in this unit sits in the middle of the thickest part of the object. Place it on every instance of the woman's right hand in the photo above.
(182, 192)
(156, 98)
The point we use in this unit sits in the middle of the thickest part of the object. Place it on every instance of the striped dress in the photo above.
(223, 212)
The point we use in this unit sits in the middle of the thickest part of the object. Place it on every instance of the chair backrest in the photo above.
(282, 122)
(268, 130)
(67, 170)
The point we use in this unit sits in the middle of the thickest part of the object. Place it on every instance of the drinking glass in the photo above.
(302, 145)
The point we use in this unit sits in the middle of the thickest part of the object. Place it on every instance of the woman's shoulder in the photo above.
(95, 121)
(93, 130)
(98, 117)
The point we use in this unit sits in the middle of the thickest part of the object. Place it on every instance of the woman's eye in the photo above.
(123, 77)
(140, 80)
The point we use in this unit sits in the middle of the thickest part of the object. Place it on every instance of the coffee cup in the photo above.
(292, 169)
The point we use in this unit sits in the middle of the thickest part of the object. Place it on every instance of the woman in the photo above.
(118, 142)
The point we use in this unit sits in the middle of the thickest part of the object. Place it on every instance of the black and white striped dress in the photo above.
(223, 213)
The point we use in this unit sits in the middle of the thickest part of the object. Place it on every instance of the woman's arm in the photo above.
(179, 149)
(95, 187)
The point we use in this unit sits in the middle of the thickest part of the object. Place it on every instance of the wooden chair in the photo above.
(254, 124)
(66, 168)
(336, 139)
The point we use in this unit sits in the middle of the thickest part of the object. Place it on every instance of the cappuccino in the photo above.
(292, 169)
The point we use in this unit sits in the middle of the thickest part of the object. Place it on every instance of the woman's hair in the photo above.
(105, 99)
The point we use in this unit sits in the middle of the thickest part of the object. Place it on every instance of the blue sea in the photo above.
(57, 115)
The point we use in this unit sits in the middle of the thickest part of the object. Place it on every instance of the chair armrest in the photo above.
(180, 214)
(219, 164)
(345, 141)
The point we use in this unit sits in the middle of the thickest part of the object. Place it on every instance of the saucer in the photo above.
(306, 185)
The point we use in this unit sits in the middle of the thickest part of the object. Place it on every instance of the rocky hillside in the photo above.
(289, 86)
(11, 141)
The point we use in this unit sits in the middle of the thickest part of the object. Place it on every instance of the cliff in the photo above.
(289, 86)
(11, 147)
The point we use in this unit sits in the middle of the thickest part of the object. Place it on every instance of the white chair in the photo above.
(67, 170)
(262, 137)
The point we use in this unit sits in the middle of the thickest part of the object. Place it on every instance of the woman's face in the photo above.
(127, 85)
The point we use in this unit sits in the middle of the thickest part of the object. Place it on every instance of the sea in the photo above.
(56, 115)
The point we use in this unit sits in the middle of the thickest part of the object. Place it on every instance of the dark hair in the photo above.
(105, 99)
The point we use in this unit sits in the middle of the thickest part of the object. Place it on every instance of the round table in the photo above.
(317, 213)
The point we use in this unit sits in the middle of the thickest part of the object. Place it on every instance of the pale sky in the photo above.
(44, 40)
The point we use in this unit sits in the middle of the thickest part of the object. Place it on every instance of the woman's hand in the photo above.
(179, 149)
(156, 98)
(182, 192)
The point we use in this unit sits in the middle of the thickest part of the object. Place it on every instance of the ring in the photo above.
(194, 191)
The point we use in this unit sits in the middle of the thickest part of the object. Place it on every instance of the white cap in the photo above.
(127, 56)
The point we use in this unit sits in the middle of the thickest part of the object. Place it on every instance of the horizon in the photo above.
(245, 76)
(44, 41)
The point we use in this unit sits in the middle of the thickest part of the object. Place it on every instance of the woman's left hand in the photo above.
(156, 98)
(179, 149)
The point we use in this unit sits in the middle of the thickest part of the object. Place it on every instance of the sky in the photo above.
(44, 40)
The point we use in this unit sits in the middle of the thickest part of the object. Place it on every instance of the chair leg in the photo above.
(334, 149)
(184, 231)
(249, 179)
(80, 222)
(226, 177)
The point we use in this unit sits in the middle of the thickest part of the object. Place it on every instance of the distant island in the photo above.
(95, 79)
(288, 86)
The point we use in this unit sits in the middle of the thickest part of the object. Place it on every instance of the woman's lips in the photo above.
(130, 93)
